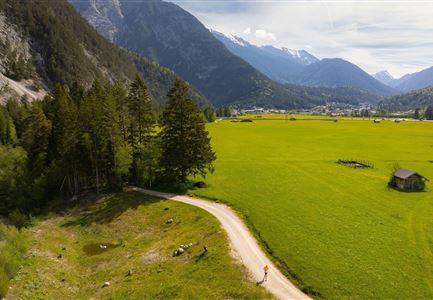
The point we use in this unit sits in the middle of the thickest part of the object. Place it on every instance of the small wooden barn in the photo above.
(408, 180)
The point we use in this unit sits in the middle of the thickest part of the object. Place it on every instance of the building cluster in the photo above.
(330, 109)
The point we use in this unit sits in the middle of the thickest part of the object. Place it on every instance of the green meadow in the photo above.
(337, 231)
(124, 239)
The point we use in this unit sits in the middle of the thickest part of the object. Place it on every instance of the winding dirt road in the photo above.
(243, 242)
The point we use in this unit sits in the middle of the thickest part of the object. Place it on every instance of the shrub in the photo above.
(13, 245)
(18, 219)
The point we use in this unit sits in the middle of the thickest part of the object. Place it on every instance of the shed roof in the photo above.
(404, 174)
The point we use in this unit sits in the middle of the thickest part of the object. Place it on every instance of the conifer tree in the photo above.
(186, 148)
(416, 114)
(141, 129)
(429, 113)
(140, 109)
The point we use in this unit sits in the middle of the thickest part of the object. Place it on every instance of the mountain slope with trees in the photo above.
(65, 49)
(415, 81)
(165, 32)
(340, 73)
(420, 99)
(176, 39)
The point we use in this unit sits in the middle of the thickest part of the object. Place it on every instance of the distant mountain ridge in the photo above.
(278, 64)
(301, 68)
(176, 39)
(415, 81)
(336, 72)
(385, 77)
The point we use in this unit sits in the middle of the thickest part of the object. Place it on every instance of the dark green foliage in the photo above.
(141, 134)
(13, 166)
(428, 114)
(18, 219)
(223, 112)
(209, 114)
(78, 140)
(405, 102)
(7, 128)
(416, 114)
(186, 148)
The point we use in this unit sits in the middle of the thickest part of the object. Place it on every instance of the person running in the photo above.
(266, 269)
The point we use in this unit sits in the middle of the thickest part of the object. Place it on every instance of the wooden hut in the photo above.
(408, 180)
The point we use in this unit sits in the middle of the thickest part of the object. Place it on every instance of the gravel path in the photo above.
(244, 243)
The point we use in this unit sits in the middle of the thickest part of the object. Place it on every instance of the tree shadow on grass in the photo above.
(107, 208)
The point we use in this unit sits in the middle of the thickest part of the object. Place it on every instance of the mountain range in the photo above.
(409, 82)
(280, 64)
(301, 68)
(51, 42)
(166, 33)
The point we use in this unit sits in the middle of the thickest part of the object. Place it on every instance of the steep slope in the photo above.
(409, 101)
(385, 78)
(176, 39)
(278, 64)
(416, 81)
(63, 48)
(338, 73)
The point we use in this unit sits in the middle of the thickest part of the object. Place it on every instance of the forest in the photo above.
(99, 139)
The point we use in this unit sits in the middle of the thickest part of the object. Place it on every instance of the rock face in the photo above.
(12, 44)
(105, 16)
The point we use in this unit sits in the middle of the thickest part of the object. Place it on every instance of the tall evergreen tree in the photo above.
(35, 140)
(416, 114)
(141, 128)
(186, 148)
(140, 109)
(429, 113)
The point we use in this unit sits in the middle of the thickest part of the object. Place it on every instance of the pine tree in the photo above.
(140, 110)
(209, 113)
(141, 129)
(35, 140)
(416, 114)
(429, 113)
(186, 148)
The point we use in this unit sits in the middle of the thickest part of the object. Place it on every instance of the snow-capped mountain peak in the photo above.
(233, 38)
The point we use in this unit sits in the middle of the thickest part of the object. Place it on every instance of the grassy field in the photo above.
(339, 230)
(65, 260)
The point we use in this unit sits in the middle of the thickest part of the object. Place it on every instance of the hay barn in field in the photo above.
(408, 180)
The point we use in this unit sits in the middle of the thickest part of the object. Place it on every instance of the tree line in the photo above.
(89, 140)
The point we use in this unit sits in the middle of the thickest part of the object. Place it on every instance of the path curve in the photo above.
(243, 242)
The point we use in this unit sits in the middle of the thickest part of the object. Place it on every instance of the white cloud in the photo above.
(263, 34)
(247, 31)
(376, 35)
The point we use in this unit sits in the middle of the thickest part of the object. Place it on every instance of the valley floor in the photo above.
(337, 231)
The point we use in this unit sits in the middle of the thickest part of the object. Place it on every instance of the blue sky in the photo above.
(376, 35)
